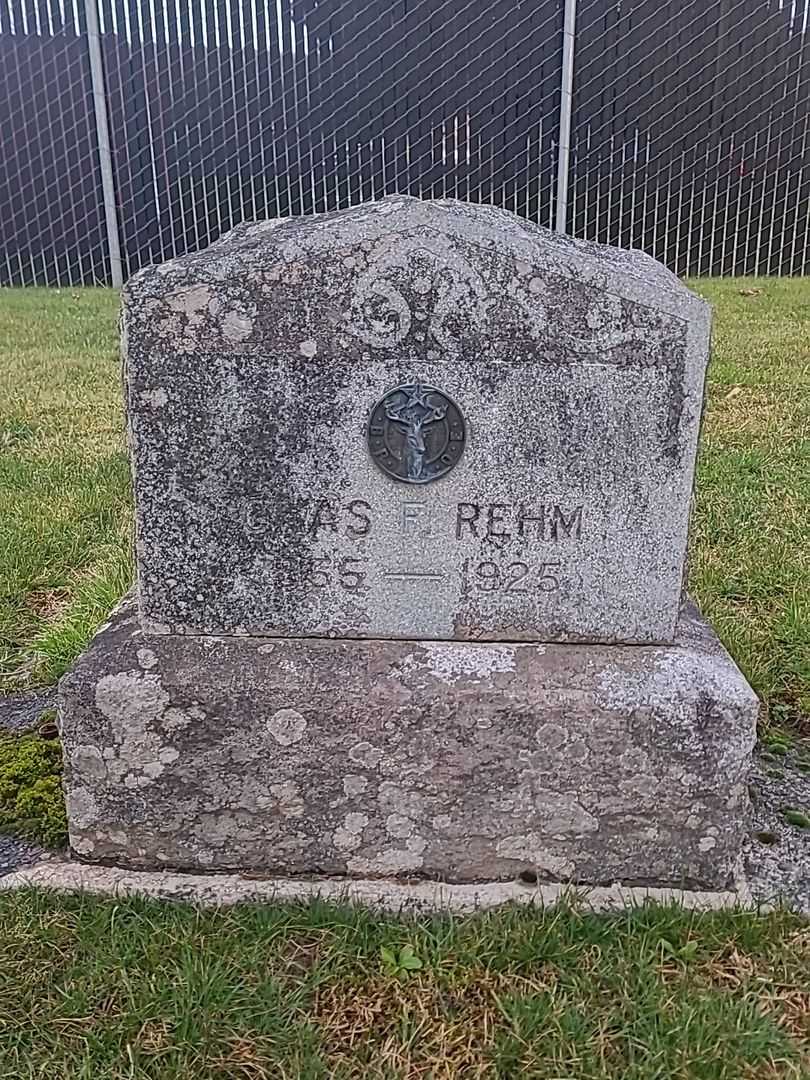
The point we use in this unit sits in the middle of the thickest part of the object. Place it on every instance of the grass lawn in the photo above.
(108, 990)
(132, 990)
(65, 515)
(64, 478)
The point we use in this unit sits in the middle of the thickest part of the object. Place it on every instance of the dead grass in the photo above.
(48, 604)
(770, 978)
(416, 1028)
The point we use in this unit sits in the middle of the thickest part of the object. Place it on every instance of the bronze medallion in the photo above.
(416, 433)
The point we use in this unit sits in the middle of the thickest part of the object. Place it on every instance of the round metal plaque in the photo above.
(416, 433)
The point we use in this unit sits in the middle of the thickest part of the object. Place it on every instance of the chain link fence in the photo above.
(52, 227)
(137, 130)
(690, 132)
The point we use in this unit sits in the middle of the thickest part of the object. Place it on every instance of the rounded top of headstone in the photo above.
(398, 267)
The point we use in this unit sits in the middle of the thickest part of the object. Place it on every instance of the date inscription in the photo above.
(509, 577)
(345, 572)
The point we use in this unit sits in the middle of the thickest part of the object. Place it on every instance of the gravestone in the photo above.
(412, 489)
(544, 395)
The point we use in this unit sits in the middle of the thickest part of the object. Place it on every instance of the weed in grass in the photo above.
(778, 748)
(777, 739)
(400, 962)
(797, 817)
(47, 727)
(683, 953)
(14, 431)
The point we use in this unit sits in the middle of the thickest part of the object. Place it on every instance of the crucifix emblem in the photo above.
(416, 433)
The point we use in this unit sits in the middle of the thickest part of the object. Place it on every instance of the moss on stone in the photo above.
(31, 799)
(797, 818)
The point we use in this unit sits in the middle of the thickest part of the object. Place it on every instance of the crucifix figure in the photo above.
(414, 410)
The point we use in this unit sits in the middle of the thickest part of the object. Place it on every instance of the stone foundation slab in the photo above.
(457, 762)
(221, 890)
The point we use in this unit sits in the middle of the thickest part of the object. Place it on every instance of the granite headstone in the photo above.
(412, 489)
(413, 419)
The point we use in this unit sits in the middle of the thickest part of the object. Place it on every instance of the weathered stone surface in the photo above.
(219, 890)
(252, 369)
(450, 760)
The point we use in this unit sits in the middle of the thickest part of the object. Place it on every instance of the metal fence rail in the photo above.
(136, 130)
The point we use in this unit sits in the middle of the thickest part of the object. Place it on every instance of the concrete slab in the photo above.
(216, 890)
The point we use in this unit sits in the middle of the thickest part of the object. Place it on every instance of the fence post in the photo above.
(566, 101)
(103, 140)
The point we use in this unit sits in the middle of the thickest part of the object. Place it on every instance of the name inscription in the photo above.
(496, 522)
(501, 521)
(353, 518)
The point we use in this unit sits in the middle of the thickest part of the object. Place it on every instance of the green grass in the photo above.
(64, 478)
(750, 551)
(65, 518)
(107, 990)
(132, 990)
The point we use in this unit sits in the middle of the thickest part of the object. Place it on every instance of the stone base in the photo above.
(412, 897)
(444, 760)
